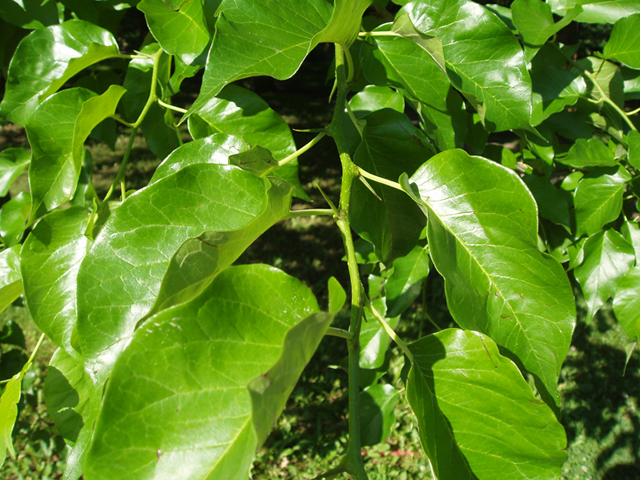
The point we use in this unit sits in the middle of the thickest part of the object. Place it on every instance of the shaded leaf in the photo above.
(608, 76)
(13, 218)
(50, 260)
(404, 285)
(391, 146)
(498, 86)
(478, 417)
(133, 250)
(483, 239)
(377, 404)
(607, 258)
(633, 140)
(13, 162)
(598, 200)
(374, 341)
(626, 303)
(46, 59)
(248, 321)
(10, 277)
(29, 14)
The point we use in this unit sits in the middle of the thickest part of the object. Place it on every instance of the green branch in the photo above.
(381, 180)
(309, 212)
(338, 332)
(394, 336)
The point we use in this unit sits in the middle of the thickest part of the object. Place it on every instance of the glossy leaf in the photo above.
(391, 145)
(404, 285)
(50, 260)
(132, 253)
(377, 404)
(624, 42)
(10, 277)
(29, 14)
(373, 98)
(498, 86)
(374, 341)
(13, 162)
(478, 417)
(534, 21)
(598, 200)
(607, 258)
(597, 11)
(46, 59)
(274, 39)
(13, 218)
(164, 21)
(633, 139)
(483, 239)
(240, 112)
(631, 233)
(626, 303)
(200, 259)
(608, 76)
(589, 153)
(212, 426)
(54, 171)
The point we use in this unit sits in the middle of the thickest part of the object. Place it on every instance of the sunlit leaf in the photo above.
(374, 341)
(589, 153)
(404, 285)
(13, 218)
(478, 417)
(597, 11)
(10, 277)
(483, 238)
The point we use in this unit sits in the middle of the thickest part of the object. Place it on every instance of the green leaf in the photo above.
(29, 14)
(200, 259)
(624, 42)
(46, 59)
(589, 153)
(626, 303)
(608, 76)
(607, 258)
(598, 200)
(274, 39)
(8, 414)
(374, 341)
(374, 98)
(70, 396)
(498, 86)
(165, 21)
(377, 404)
(478, 417)
(132, 253)
(597, 11)
(191, 375)
(483, 239)
(50, 260)
(631, 232)
(10, 277)
(404, 285)
(534, 21)
(13, 218)
(391, 145)
(54, 172)
(13, 162)
(552, 204)
(633, 140)
(240, 112)
(631, 83)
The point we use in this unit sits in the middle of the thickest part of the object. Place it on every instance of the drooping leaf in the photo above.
(191, 372)
(54, 172)
(46, 59)
(274, 39)
(29, 14)
(165, 21)
(483, 238)
(607, 258)
(200, 259)
(133, 250)
(10, 277)
(240, 112)
(498, 86)
(13, 161)
(626, 303)
(597, 11)
(598, 200)
(377, 404)
(589, 153)
(624, 42)
(478, 417)
(50, 260)
(405, 283)
(391, 146)
(13, 218)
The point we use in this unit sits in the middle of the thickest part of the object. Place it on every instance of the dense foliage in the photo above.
(175, 363)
